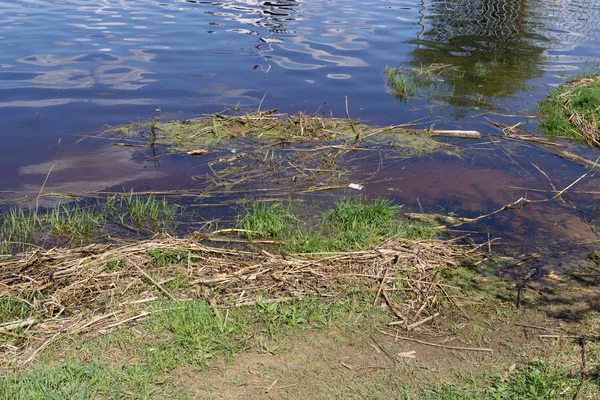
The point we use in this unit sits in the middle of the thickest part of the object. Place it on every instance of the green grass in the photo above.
(188, 336)
(554, 118)
(163, 257)
(265, 220)
(177, 335)
(194, 335)
(580, 96)
(78, 380)
(424, 82)
(146, 211)
(536, 381)
(14, 309)
(17, 228)
(401, 83)
(348, 225)
(75, 224)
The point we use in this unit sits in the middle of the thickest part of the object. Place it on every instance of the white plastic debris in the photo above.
(356, 186)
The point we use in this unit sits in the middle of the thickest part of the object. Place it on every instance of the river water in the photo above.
(71, 68)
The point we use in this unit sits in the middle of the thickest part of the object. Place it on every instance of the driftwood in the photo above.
(514, 132)
(443, 346)
(459, 134)
(515, 205)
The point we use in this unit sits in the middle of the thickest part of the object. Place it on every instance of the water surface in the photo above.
(70, 68)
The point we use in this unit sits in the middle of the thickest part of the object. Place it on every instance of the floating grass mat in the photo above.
(573, 110)
(271, 128)
(273, 150)
(98, 288)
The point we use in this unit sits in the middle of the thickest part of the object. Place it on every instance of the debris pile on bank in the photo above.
(98, 288)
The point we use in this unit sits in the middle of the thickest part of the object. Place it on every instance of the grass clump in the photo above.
(573, 110)
(409, 83)
(265, 220)
(538, 380)
(146, 211)
(81, 380)
(401, 83)
(348, 225)
(14, 309)
(73, 221)
(352, 224)
(163, 257)
(194, 335)
(17, 228)
(76, 224)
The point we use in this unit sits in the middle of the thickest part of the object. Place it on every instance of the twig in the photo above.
(42, 188)
(587, 337)
(381, 286)
(583, 367)
(347, 111)
(261, 102)
(169, 295)
(272, 385)
(135, 317)
(548, 178)
(459, 134)
(438, 345)
(421, 322)
(535, 327)
(9, 326)
(46, 343)
(387, 353)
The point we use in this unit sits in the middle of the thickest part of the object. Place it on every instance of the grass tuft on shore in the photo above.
(536, 380)
(348, 225)
(573, 110)
(265, 220)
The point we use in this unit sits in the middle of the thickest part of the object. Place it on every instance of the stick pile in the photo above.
(97, 288)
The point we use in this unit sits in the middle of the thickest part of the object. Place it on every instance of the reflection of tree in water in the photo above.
(271, 15)
(493, 43)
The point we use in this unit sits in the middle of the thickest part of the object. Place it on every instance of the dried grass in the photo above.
(72, 290)
(278, 151)
(586, 127)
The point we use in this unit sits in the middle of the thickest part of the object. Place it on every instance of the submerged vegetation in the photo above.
(299, 153)
(573, 110)
(424, 83)
(75, 224)
(438, 82)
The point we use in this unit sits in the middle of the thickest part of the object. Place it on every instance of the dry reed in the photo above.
(74, 290)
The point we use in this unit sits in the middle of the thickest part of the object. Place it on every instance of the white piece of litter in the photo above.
(356, 186)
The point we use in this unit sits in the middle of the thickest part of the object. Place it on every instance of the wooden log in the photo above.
(459, 134)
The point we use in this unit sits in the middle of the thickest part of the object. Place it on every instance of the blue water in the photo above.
(71, 67)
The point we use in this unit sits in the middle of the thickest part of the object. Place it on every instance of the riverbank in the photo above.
(179, 319)
(373, 305)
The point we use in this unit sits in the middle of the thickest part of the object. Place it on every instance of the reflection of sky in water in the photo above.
(81, 63)
(174, 53)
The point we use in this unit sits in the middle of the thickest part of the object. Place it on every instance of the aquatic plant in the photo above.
(349, 224)
(423, 82)
(573, 110)
(77, 223)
